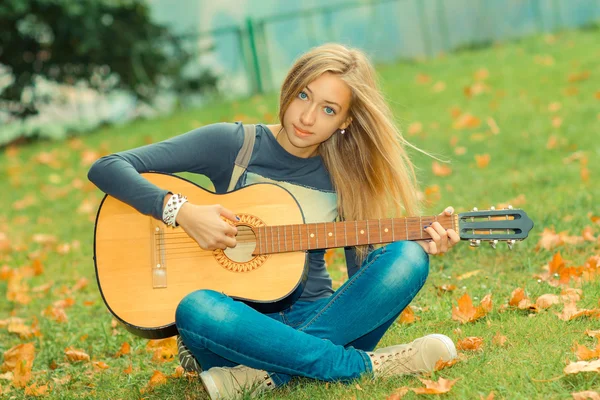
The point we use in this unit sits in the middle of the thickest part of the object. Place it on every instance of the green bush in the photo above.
(106, 44)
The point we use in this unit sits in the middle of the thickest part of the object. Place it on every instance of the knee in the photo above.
(203, 308)
(410, 261)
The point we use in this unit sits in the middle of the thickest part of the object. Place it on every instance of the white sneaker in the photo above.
(418, 356)
(229, 383)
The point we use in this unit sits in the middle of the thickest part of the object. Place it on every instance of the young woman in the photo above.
(337, 150)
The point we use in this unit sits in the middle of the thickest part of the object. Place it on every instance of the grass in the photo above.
(45, 191)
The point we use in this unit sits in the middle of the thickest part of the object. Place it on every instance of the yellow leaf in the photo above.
(439, 387)
(74, 355)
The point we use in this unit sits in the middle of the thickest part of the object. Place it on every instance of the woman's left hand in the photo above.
(441, 239)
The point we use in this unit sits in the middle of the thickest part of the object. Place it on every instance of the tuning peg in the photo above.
(475, 242)
(511, 243)
(493, 243)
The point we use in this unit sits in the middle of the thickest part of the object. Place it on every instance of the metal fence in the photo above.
(256, 55)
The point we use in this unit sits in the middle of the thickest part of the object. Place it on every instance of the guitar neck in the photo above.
(325, 235)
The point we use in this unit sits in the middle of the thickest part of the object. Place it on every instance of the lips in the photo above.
(300, 131)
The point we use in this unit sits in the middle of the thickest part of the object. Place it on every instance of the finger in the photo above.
(435, 244)
(454, 237)
(448, 211)
(424, 245)
(230, 215)
(229, 230)
(229, 241)
(443, 245)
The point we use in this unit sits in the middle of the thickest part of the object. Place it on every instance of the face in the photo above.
(315, 114)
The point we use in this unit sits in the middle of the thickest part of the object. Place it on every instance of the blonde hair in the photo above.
(370, 169)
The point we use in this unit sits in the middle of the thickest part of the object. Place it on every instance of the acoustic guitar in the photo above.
(144, 268)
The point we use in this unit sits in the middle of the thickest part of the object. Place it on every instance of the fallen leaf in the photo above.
(398, 393)
(36, 391)
(470, 343)
(19, 360)
(441, 364)
(439, 387)
(482, 160)
(586, 395)
(440, 170)
(499, 340)
(547, 300)
(75, 355)
(583, 353)
(571, 312)
(592, 333)
(100, 365)
(466, 312)
(157, 379)
(164, 349)
(125, 349)
(466, 121)
(582, 366)
(468, 274)
(407, 316)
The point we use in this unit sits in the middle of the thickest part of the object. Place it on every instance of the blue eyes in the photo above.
(328, 110)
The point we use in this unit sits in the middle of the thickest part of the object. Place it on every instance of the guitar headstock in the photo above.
(506, 225)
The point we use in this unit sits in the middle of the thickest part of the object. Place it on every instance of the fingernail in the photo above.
(238, 218)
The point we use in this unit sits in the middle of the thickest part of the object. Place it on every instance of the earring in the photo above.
(342, 131)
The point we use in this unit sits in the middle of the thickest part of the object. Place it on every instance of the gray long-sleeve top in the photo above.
(211, 151)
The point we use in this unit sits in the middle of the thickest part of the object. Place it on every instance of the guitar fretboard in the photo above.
(325, 235)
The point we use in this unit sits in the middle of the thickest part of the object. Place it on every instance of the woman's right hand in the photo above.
(206, 226)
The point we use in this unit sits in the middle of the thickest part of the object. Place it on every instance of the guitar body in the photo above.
(145, 268)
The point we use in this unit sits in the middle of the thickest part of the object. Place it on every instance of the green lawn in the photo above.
(534, 109)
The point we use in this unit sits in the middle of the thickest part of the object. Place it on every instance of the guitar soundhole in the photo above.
(240, 258)
(246, 243)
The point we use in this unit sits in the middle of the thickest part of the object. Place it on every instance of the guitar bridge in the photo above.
(159, 260)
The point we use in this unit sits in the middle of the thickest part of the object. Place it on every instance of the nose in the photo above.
(308, 115)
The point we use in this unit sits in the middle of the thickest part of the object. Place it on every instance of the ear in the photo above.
(347, 122)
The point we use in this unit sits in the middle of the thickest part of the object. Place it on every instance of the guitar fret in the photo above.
(325, 229)
(335, 226)
(272, 240)
(393, 240)
(345, 233)
(317, 235)
(285, 236)
(300, 235)
(406, 224)
(356, 229)
(421, 226)
(368, 233)
(380, 240)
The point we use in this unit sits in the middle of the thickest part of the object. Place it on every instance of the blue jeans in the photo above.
(326, 339)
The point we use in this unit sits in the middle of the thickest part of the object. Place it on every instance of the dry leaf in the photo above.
(499, 340)
(482, 160)
(19, 360)
(468, 274)
(164, 349)
(407, 316)
(439, 387)
(157, 379)
(398, 393)
(100, 365)
(36, 391)
(74, 355)
(586, 395)
(595, 334)
(470, 343)
(466, 121)
(125, 349)
(547, 300)
(583, 353)
(440, 170)
(571, 312)
(582, 366)
(465, 312)
(441, 364)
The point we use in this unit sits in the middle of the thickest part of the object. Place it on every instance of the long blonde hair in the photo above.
(370, 169)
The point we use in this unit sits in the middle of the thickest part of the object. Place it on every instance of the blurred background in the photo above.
(71, 66)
